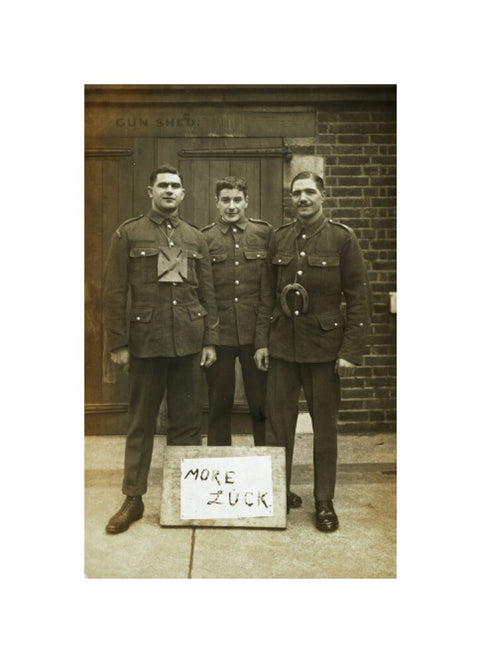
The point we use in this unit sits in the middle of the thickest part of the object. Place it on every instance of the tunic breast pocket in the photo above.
(285, 269)
(194, 255)
(255, 259)
(325, 274)
(221, 268)
(143, 264)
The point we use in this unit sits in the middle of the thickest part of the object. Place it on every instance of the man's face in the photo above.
(231, 203)
(308, 200)
(166, 192)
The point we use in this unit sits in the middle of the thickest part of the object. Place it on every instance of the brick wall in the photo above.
(357, 142)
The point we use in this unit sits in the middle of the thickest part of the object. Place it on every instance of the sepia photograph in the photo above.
(220, 440)
(240, 331)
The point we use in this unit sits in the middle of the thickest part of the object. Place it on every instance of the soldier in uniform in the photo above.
(303, 336)
(238, 247)
(165, 335)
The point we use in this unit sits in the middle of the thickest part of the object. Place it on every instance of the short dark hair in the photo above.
(309, 174)
(164, 168)
(231, 182)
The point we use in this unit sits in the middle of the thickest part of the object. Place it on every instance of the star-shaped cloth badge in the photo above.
(172, 265)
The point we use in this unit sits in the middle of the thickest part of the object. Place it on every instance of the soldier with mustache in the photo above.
(304, 337)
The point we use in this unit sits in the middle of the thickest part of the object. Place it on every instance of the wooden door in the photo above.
(116, 179)
(108, 201)
(204, 160)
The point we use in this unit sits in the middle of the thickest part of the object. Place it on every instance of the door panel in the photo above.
(108, 202)
(263, 175)
(117, 171)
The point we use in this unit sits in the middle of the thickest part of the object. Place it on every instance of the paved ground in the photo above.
(363, 547)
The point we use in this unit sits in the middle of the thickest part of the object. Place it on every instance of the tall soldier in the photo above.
(238, 247)
(167, 334)
(304, 339)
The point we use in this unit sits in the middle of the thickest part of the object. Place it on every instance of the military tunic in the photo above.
(237, 253)
(327, 261)
(165, 318)
(306, 330)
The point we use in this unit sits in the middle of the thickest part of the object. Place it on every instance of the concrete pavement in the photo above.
(363, 547)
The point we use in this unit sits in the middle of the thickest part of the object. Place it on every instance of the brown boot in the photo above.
(130, 511)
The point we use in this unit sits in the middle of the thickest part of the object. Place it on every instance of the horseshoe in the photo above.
(283, 298)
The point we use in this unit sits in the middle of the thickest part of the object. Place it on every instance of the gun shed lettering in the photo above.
(177, 121)
(213, 488)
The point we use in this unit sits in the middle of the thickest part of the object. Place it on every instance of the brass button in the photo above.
(302, 253)
(297, 312)
(174, 302)
(237, 246)
(237, 282)
(138, 318)
(237, 263)
(324, 263)
(304, 236)
(142, 253)
(300, 272)
(236, 299)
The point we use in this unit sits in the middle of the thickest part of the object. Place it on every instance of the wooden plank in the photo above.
(200, 192)
(144, 163)
(174, 481)
(271, 191)
(93, 277)
(218, 169)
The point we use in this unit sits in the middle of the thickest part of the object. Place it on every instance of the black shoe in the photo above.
(130, 511)
(326, 519)
(293, 501)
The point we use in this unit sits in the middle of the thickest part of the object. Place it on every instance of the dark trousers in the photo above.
(148, 380)
(221, 391)
(321, 386)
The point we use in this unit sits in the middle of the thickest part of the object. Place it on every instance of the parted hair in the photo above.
(309, 174)
(231, 183)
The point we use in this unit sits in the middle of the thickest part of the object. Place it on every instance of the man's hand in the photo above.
(120, 356)
(344, 368)
(261, 359)
(209, 356)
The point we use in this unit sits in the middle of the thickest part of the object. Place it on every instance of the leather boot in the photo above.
(326, 518)
(293, 501)
(130, 511)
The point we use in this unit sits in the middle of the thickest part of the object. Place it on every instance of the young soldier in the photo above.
(238, 248)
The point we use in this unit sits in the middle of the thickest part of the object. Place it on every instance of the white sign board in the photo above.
(226, 487)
